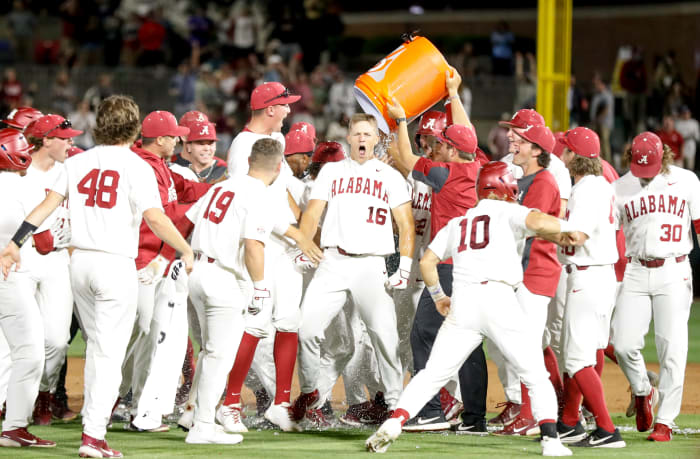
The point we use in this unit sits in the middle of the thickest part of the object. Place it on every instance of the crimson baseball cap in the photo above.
(201, 130)
(582, 141)
(647, 155)
(524, 118)
(558, 146)
(20, 117)
(328, 152)
(272, 93)
(51, 126)
(298, 142)
(540, 135)
(193, 116)
(162, 123)
(305, 127)
(459, 136)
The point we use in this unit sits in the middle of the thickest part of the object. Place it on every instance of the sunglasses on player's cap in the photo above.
(51, 126)
(272, 93)
(524, 118)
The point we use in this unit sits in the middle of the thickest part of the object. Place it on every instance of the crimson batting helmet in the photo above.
(20, 117)
(431, 123)
(647, 155)
(14, 150)
(328, 152)
(192, 117)
(495, 177)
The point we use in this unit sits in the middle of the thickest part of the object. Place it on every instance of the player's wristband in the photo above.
(405, 263)
(24, 232)
(565, 226)
(436, 292)
(398, 120)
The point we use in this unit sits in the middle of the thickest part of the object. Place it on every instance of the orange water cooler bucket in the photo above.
(414, 73)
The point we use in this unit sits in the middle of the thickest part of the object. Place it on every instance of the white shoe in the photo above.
(554, 447)
(380, 441)
(204, 433)
(280, 416)
(229, 416)
(187, 418)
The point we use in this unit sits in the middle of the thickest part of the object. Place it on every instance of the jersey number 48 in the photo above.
(100, 188)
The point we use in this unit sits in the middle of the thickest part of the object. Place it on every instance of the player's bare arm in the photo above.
(305, 244)
(311, 217)
(428, 268)
(163, 227)
(403, 156)
(452, 81)
(10, 255)
(545, 225)
(403, 216)
(293, 205)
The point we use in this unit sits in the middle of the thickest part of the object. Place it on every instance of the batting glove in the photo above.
(60, 230)
(178, 274)
(302, 262)
(261, 298)
(152, 271)
(399, 280)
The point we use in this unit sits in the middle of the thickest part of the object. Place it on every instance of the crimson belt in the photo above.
(658, 262)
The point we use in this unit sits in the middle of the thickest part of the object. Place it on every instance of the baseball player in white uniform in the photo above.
(111, 189)
(361, 194)
(20, 318)
(655, 205)
(590, 293)
(51, 136)
(484, 247)
(232, 227)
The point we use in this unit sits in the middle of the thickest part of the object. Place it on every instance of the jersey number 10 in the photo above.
(473, 244)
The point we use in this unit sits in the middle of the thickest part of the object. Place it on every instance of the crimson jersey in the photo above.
(540, 264)
(172, 187)
(454, 189)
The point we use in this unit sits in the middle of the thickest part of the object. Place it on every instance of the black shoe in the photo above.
(600, 438)
(568, 434)
(470, 429)
(428, 423)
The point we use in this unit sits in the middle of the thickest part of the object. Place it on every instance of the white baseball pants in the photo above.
(363, 278)
(20, 321)
(220, 299)
(5, 367)
(664, 294)
(478, 311)
(105, 289)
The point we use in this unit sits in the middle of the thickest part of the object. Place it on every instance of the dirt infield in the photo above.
(614, 381)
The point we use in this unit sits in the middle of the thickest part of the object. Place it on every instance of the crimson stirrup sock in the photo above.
(572, 401)
(552, 366)
(610, 353)
(525, 410)
(241, 366)
(599, 361)
(285, 354)
(592, 389)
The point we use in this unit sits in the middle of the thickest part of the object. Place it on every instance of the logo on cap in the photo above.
(200, 117)
(304, 128)
(205, 130)
(643, 160)
(430, 124)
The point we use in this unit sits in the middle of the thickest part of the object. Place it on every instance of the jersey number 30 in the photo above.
(484, 220)
(100, 188)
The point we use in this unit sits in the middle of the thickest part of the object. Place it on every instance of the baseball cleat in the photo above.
(206, 434)
(356, 415)
(60, 410)
(92, 447)
(600, 438)
(553, 447)
(380, 441)
(303, 403)
(131, 427)
(661, 432)
(568, 434)
(42, 409)
(317, 419)
(520, 426)
(187, 418)
(508, 415)
(17, 438)
(478, 429)
(229, 416)
(451, 407)
(281, 416)
(646, 404)
(427, 424)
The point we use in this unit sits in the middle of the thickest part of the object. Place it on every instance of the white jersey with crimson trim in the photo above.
(109, 189)
(591, 209)
(360, 198)
(39, 185)
(15, 206)
(238, 155)
(421, 195)
(229, 213)
(656, 218)
(483, 244)
(556, 167)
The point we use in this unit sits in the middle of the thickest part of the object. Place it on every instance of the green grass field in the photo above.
(340, 443)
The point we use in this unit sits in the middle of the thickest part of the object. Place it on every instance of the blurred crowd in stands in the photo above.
(220, 50)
